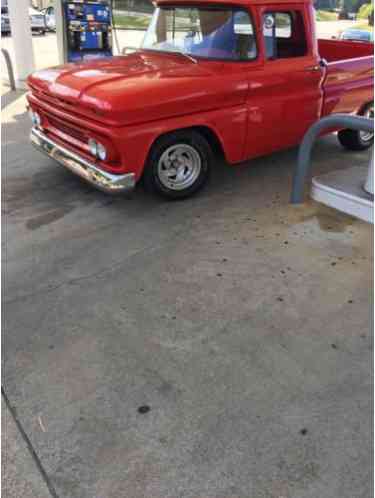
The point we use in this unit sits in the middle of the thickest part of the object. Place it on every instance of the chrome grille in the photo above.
(67, 129)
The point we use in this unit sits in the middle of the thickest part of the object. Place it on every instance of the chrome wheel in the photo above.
(179, 167)
(366, 136)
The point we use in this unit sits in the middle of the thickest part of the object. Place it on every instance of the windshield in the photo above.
(215, 33)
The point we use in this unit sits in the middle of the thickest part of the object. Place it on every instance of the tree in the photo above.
(348, 5)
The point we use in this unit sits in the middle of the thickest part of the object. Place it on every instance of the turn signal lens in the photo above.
(36, 120)
(31, 114)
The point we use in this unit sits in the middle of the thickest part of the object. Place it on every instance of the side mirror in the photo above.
(334, 37)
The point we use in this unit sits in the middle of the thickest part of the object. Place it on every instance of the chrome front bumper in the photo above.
(112, 184)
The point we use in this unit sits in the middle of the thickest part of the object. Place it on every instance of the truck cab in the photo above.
(244, 77)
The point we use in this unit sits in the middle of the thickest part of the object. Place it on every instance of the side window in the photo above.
(283, 23)
(284, 34)
(246, 48)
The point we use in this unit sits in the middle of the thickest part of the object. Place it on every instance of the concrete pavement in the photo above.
(20, 473)
(218, 347)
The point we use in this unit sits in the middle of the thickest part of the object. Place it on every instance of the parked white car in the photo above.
(38, 23)
(50, 20)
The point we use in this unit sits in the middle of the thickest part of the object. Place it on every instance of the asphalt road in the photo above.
(218, 347)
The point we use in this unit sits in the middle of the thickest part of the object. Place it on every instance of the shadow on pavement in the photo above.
(9, 97)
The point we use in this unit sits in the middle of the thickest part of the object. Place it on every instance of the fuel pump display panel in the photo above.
(88, 30)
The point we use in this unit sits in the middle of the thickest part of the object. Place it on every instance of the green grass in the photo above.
(135, 22)
(365, 11)
(325, 15)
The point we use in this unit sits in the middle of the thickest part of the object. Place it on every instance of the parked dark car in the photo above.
(343, 15)
(5, 23)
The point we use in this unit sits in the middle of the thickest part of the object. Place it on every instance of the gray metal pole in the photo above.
(336, 121)
(8, 62)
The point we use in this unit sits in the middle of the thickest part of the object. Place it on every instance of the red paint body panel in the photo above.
(348, 85)
(340, 50)
(253, 107)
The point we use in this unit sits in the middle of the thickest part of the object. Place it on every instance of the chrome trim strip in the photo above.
(113, 184)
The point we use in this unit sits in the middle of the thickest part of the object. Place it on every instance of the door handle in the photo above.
(311, 69)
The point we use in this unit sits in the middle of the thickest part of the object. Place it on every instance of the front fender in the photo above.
(228, 125)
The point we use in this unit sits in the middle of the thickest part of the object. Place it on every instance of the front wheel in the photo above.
(178, 165)
(355, 139)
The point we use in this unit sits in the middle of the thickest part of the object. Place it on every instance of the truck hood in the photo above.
(139, 87)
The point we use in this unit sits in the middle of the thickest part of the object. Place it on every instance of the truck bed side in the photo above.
(340, 50)
(348, 83)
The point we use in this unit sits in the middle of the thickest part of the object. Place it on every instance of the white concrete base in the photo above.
(343, 190)
(369, 185)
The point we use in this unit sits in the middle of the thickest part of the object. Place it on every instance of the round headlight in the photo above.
(101, 152)
(93, 146)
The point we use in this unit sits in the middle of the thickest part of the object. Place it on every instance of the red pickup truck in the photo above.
(242, 77)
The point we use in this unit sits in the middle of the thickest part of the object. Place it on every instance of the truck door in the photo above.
(288, 97)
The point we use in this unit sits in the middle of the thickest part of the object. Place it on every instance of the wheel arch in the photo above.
(363, 107)
(207, 132)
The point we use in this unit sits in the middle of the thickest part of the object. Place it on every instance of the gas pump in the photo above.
(86, 29)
